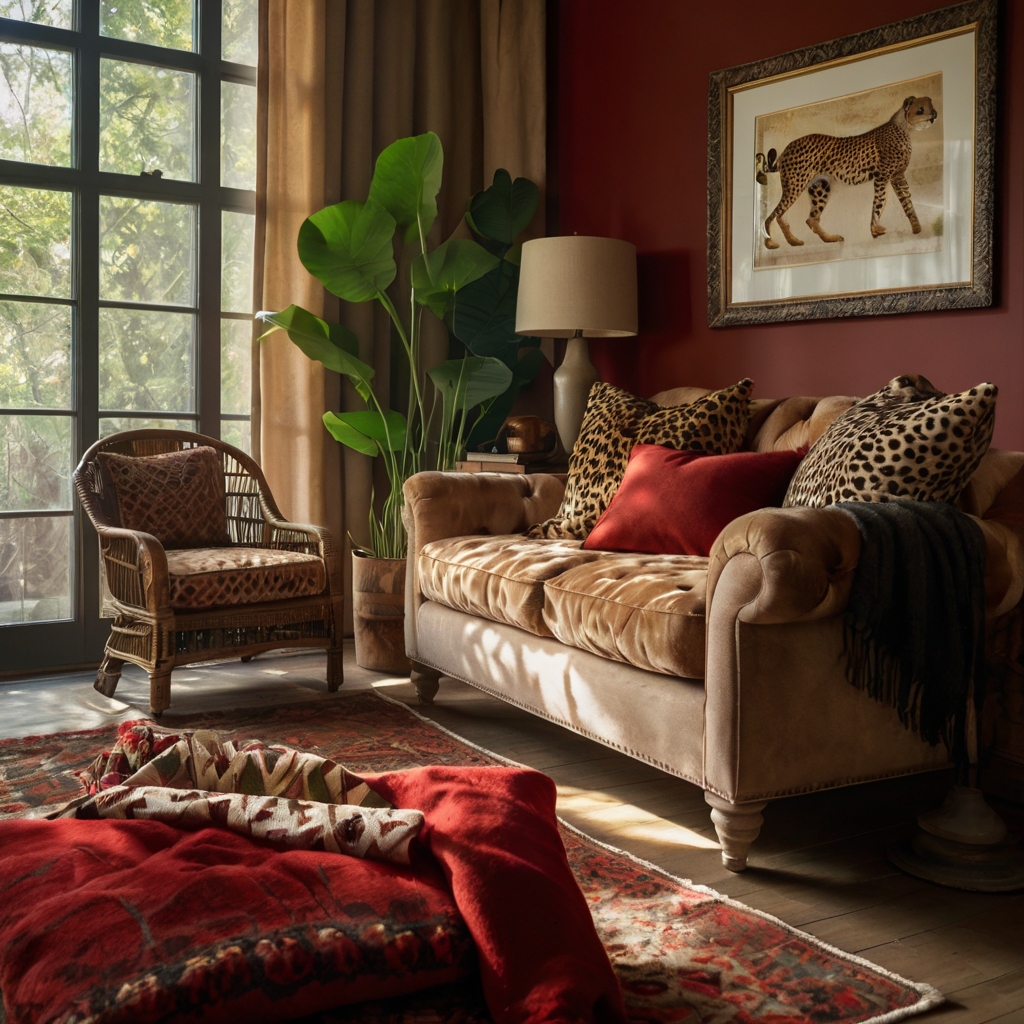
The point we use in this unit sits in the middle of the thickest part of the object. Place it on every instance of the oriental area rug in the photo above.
(682, 952)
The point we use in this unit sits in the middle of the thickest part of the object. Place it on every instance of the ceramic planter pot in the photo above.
(378, 613)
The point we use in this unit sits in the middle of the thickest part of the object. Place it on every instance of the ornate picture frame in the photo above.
(895, 128)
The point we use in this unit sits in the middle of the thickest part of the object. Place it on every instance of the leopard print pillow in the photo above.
(614, 421)
(908, 440)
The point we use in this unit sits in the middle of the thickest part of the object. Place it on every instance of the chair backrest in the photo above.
(247, 495)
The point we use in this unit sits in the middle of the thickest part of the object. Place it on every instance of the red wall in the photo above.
(633, 88)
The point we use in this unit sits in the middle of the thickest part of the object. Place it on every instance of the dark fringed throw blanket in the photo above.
(915, 623)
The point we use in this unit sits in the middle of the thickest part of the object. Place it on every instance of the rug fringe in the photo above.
(930, 996)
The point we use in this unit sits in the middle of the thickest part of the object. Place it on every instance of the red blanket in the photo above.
(495, 835)
(136, 921)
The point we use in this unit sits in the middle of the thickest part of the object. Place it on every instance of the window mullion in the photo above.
(208, 356)
(86, 278)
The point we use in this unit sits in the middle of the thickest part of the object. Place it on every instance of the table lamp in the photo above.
(576, 287)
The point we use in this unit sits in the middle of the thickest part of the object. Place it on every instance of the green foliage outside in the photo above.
(351, 249)
(147, 255)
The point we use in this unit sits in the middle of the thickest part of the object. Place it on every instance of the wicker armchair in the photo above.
(154, 625)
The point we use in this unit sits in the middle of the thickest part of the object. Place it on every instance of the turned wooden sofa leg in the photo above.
(108, 675)
(335, 670)
(427, 681)
(737, 826)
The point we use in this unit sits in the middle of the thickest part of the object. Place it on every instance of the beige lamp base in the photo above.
(572, 382)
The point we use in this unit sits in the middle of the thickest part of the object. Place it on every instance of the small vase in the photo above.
(378, 613)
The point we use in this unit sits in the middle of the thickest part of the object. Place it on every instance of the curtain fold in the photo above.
(339, 81)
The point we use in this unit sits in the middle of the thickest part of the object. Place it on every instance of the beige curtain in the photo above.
(339, 81)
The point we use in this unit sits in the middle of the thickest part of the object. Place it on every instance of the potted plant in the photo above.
(469, 284)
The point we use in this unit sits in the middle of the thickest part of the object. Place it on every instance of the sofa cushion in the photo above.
(645, 610)
(178, 497)
(500, 578)
(614, 421)
(216, 577)
(908, 440)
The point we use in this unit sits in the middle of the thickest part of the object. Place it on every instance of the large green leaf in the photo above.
(438, 275)
(503, 209)
(348, 248)
(348, 435)
(485, 313)
(387, 431)
(331, 344)
(406, 181)
(468, 382)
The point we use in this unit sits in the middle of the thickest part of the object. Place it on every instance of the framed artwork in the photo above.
(856, 177)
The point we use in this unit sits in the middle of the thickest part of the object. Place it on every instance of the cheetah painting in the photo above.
(800, 171)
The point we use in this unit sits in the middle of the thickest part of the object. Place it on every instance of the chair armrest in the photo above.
(796, 564)
(136, 568)
(308, 540)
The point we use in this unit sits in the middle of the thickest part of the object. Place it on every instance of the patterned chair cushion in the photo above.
(215, 577)
(908, 440)
(614, 421)
(178, 497)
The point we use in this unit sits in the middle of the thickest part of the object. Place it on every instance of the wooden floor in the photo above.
(819, 863)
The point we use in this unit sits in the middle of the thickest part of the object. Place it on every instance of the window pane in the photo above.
(35, 463)
(35, 104)
(238, 235)
(35, 569)
(157, 22)
(237, 135)
(146, 360)
(35, 355)
(115, 424)
(235, 366)
(35, 242)
(147, 251)
(238, 39)
(236, 432)
(42, 12)
(147, 120)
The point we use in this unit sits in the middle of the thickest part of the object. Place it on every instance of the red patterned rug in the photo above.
(682, 952)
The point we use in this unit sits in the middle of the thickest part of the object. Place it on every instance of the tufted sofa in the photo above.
(726, 671)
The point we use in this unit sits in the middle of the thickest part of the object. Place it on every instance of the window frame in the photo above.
(30, 646)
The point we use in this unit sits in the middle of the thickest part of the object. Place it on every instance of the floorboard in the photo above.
(819, 863)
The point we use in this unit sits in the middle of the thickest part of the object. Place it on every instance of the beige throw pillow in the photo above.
(614, 421)
(908, 440)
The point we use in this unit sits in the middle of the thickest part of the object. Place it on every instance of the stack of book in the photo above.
(510, 462)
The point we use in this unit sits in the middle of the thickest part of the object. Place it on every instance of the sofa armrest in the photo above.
(440, 505)
(460, 504)
(796, 564)
(802, 560)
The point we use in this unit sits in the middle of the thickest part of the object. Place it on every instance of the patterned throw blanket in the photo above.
(915, 622)
(291, 799)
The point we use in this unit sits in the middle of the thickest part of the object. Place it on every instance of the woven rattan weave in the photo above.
(147, 631)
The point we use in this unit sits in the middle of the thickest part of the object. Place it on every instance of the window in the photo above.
(127, 177)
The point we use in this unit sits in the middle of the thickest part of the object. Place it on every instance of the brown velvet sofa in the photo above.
(726, 671)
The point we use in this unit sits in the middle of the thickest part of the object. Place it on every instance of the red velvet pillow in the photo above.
(677, 503)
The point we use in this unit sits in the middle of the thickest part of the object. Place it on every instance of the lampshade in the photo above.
(577, 283)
